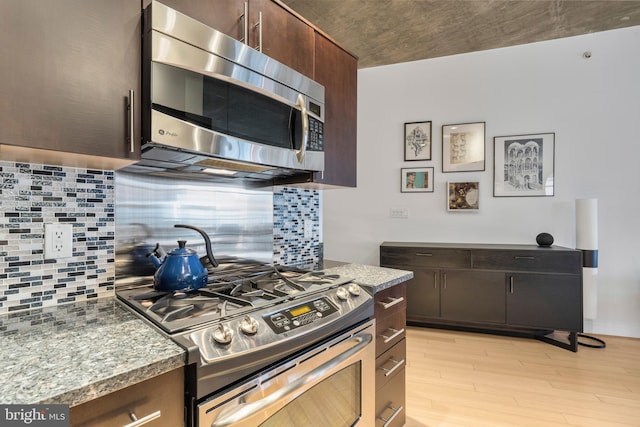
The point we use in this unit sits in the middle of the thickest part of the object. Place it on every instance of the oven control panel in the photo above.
(300, 315)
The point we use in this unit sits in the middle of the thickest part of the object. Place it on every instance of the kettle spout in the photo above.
(156, 254)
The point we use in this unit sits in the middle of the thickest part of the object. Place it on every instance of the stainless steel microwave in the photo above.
(213, 105)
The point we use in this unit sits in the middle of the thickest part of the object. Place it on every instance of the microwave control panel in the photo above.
(316, 131)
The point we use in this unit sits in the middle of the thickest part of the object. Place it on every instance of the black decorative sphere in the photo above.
(544, 239)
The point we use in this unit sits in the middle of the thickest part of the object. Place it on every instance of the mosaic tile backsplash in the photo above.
(33, 195)
(296, 227)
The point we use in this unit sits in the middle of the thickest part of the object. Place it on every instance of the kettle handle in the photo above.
(207, 242)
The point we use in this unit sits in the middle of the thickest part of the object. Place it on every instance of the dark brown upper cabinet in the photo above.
(67, 70)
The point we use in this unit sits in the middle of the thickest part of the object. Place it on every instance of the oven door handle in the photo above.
(250, 409)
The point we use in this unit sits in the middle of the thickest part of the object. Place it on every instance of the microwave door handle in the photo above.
(250, 409)
(300, 103)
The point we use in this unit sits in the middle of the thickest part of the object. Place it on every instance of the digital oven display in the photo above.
(295, 312)
(300, 315)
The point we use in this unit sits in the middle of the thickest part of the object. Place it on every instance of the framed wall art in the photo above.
(417, 141)
(416, 180)
(463, 147)
(524, 165)
(463, 196)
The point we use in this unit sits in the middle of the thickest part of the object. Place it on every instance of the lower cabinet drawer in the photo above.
(161, 399)
(425, 257)
(390, 301)
(391, 363)
(389, 331)
(390, 401)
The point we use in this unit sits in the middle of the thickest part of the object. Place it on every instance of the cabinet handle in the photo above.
(245, 24)
(388, 421)
(525, 257)
(394, 301)
(396, 333)
(396, 365)
(444, 281)
(423, 254)
(511, 284)
(144, 420)
(304, 115)
(131, 110)
(435, 280)
(258, 26)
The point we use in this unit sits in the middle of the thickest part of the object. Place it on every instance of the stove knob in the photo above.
(354, 289)
(342, 293)
(249, 325)
(222, 334)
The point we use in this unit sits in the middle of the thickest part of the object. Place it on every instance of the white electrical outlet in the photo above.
(402, 213)
(58, 241)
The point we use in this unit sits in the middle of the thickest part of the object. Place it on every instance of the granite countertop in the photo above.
(73, 353)
(375, 279)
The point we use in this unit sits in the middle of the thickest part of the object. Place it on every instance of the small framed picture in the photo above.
(417, 180)
(463, 196)
(417, 141)
(524, 165)
(463, 147)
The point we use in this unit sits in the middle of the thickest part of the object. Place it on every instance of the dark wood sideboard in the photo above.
(522, 290)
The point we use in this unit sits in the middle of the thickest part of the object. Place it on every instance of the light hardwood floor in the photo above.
(457, 379)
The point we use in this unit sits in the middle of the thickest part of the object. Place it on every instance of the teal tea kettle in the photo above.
(181, 269)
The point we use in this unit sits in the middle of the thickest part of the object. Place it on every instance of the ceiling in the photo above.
(382, 32)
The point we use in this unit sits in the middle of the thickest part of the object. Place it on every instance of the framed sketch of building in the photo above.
(524, 165)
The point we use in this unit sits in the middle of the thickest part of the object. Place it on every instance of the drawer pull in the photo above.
(531, 258)
(423, 254)
(396, 333)
(396, 365)
(388, 421)
(391, 303)
(144, 420)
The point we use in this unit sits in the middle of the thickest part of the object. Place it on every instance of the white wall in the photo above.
(592, 105)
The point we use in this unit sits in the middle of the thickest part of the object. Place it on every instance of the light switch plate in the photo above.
(402, 213)
(58, 241)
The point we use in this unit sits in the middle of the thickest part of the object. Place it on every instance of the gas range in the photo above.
(249, 318)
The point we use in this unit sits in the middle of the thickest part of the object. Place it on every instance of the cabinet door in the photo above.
(423, 296)
(337, 70)
(473, 296)
(545, 301)
(67, 68)
(285, 37)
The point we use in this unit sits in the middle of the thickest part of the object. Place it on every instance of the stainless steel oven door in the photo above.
(329, 385)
